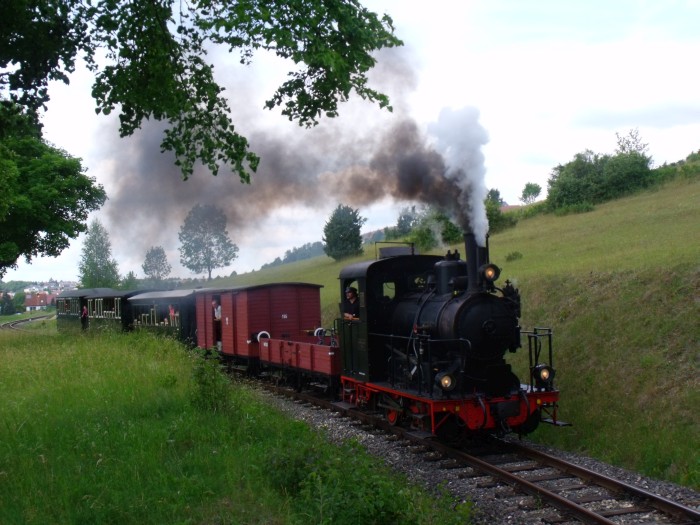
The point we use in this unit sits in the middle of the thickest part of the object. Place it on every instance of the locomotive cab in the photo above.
(381, 285)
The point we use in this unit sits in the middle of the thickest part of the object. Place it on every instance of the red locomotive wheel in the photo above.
(393, 416)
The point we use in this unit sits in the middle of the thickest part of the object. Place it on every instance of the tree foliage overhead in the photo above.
(156, 266)
(341, 234)
(205, 241)
(46, 196)
(148, 59)
(97, 267)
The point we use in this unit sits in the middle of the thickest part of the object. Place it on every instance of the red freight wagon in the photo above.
(311, 357)
(277, 310)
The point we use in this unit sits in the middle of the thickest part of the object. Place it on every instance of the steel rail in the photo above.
(659, 503)
(568, 507)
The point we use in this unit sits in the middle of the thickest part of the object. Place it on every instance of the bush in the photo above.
(532, 210)
(211, 388)
(499, 221)
(514, 256)
(571, 209)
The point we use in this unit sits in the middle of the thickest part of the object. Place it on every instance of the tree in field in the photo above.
(7, 307)
(97, 267)
(45, 195)
(148, 59)
(205, 241)
(494, 196)
(341, 234)
(130, 281)
(530, 193)
(156, 266)
(407, 220)
(498, 221)
(18, 301)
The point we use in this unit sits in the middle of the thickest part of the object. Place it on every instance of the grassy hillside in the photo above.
(620, 286)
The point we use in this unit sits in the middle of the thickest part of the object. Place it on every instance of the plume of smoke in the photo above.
(459, 139)
(448, 174)
(331, 163)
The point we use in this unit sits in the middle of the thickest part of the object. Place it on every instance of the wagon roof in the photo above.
(90, 292)
(257, 286)
(166, 294)
(98, 293)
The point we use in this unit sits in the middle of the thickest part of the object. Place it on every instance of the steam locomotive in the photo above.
(428, 348)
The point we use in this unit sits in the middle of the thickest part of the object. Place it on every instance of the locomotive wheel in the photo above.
(393, 409)
(450, 431)
(392, 416)
(530, 424)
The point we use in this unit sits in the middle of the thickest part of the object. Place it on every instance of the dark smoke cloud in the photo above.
(448, 174)
(349, 161)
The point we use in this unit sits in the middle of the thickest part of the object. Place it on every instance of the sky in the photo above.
(502, 90)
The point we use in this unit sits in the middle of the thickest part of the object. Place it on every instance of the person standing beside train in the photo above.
(84, 318)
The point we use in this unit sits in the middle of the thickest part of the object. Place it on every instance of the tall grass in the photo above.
(620, 287)
(127, 428)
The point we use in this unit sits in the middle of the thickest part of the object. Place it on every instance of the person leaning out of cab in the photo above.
(351, 306)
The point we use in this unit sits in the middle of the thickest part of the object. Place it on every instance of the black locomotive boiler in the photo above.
(430, 346)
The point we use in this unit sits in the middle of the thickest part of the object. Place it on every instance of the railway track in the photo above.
(558, 492)
(15, 325)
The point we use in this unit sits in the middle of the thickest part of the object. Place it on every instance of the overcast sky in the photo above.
(540, 82)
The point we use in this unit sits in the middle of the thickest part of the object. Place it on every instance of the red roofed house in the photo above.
(38, 301)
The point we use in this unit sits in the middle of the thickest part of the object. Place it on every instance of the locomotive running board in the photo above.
(556, 423)
(342, 405)
(420, 434)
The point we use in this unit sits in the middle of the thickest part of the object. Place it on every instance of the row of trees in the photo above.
(306, 251)
(205, 245)
(426, 227)
(591, 178)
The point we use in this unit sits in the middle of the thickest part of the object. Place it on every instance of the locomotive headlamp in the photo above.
(490, 272)
(543, 375)
(446, 381)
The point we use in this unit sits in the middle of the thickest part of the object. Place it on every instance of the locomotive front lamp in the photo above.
(446, 381)
(490, 272)
(543, 375)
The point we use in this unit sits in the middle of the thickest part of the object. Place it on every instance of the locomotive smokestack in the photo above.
(471, 251)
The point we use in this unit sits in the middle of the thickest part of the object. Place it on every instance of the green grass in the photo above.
(620, 286)
(127, 428)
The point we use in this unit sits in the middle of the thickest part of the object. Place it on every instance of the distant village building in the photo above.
(38, 301)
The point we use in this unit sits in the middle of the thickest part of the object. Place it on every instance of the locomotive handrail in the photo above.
(534, 340)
